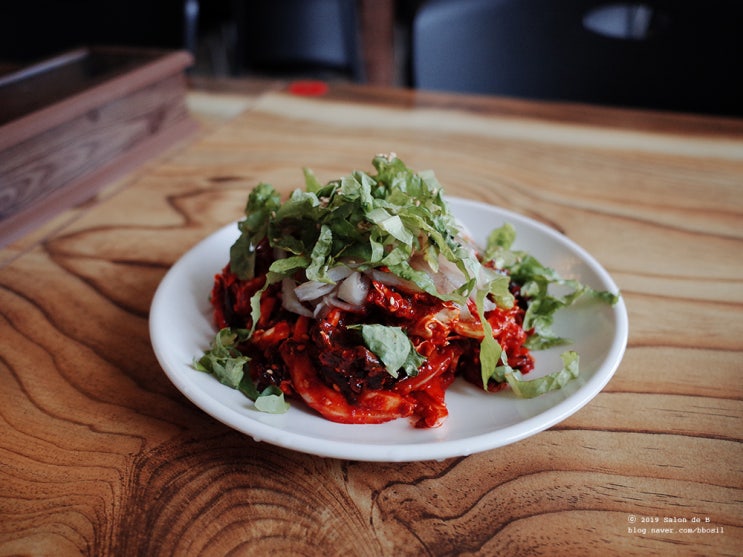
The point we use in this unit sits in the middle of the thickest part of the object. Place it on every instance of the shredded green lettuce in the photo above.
(262, 202)
(491, 353)
(271, 400)
(557, 380)
(393, 347)
(225, 362)
(373, 221)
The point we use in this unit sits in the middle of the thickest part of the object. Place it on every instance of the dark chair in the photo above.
(312, 38)
(672, 55)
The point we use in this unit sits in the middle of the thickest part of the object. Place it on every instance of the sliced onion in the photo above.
(331, 301)
(464, 311)
(313, 289)
(446, 279)
(390, 279)
(334, 301)
(449, 278)
(488, 305)
(339, 272)
(290, 300)
(354, 289)
(487, 275)
(321, 310)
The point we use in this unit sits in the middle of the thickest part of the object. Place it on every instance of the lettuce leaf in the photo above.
(491, 352)
(393, 347)
(225, 362)
(535, 387)
(271, 400)
(262, 202)
(223, 359)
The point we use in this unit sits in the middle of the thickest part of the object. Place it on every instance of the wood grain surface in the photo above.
(101, 455)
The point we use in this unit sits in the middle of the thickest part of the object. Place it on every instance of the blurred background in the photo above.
(669, 55)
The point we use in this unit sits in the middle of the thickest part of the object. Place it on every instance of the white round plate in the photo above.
(181, 328)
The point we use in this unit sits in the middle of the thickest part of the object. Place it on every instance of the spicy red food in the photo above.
(323, 361)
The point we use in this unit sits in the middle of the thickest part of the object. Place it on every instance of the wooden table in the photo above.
(101, 455)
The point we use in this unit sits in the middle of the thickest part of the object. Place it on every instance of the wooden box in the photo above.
(72, 124)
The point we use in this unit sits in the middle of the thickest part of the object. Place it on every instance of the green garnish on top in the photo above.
(372, 221)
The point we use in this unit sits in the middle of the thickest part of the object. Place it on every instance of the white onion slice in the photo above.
(389, 279)
(354, 289)
(313, 289)
(339, 272)
(336, 302)
(289, 299)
